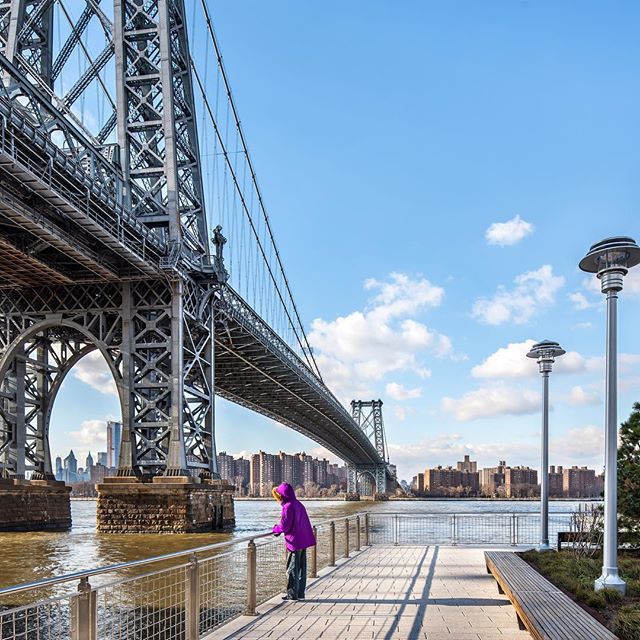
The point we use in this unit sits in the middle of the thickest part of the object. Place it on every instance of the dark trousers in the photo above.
(296, 574)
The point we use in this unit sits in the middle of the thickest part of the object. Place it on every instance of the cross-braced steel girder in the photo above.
(367, 414)
(158, 344)
(156, 121)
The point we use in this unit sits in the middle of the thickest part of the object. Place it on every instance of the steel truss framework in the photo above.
(105, 247)
(368, 416)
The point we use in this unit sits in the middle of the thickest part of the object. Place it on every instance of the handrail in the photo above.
(48, 582)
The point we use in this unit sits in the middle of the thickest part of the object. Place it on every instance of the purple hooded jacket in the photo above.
(294, 521)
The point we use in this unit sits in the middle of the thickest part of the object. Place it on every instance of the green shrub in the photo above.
(626, 622)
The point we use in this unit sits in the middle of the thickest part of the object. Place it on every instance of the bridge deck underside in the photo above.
(250, 374)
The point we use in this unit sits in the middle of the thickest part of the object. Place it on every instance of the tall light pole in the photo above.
(545, 353)
(610, 259)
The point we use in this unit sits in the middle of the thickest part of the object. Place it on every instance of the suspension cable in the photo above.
(260, 200)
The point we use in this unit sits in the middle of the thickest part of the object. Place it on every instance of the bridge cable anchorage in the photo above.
(308, 351)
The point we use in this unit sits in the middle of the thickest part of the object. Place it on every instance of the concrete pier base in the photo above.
(380, 497)
(165, 505)
(351, 497)
(34, 505)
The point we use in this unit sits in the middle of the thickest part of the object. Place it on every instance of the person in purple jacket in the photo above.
(298, 536)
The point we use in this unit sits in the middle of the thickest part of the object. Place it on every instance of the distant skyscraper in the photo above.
(114, 437)
(71, 468)
(59, 470)
(89, 461)
(102, 458)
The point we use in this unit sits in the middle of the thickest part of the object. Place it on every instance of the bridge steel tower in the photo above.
(155, 325)
(368, 416)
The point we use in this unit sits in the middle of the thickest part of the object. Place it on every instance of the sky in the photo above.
(434, 172)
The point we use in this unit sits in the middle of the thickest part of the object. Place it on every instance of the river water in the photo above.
(26, 557)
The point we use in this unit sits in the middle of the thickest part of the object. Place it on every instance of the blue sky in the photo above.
(390, 139)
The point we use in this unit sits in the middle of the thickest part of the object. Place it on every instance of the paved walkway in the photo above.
(401, 593)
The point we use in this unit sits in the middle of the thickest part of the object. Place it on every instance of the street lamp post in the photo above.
(545, 353)
(610, 259)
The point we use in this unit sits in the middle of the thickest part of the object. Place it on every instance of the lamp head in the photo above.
(545, 352)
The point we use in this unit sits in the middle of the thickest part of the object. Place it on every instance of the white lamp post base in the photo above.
(610, 580)
(544, 546)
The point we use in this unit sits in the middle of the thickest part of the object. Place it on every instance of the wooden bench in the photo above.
(542, 609)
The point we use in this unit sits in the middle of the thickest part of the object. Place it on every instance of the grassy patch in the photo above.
(575, 575)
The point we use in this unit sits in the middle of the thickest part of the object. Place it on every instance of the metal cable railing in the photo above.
(187, 594)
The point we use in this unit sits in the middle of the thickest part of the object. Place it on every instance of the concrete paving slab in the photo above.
(388, 593)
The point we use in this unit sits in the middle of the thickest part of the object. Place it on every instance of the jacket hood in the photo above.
(287, 492)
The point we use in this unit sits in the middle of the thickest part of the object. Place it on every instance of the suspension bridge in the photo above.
(131, 222)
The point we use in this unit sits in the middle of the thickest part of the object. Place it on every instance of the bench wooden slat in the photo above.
(546, 612)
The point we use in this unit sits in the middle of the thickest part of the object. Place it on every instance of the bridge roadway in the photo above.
(407, 593)
(62, 224)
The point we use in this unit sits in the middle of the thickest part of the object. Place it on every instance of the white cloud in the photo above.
(487, 402)
(533, 291)
(508, 233)
(398, 392)
(508, 362)
(512, 362)
(578, 396)
(403, 295)
(581, 444)
(580, 302)
(94, 371)
(92, 436)
(355, 351)
(583, 325)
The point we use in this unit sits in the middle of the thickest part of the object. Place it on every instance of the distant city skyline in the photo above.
(431, 199)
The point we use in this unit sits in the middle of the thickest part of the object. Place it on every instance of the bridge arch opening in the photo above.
(366, 483)
(32, 371)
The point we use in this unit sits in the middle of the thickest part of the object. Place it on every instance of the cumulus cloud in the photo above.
(580, 302)
(398, 392)
(487, 402)
(583, 325)
(509, 232)
(581, 444)
(533, 290)
(94, 371)
(579, 396)
(512, 362)
(357, 350)
(92, 436)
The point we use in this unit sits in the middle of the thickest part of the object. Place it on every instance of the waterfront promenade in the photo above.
(404, 592)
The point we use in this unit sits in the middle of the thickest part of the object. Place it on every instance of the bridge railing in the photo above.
(187, 594)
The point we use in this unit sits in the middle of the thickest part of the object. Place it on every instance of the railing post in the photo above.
(357, 533)
(514, 530)
(395, 530)
(192, 607)
(366, 529)
(346, 537)
(332, 544)
(453, 529)
(250, 609)
(84, 624)
(314, 555)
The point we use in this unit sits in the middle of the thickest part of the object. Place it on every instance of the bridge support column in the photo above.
(34, 505)
(166, 505)
(352, 494)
